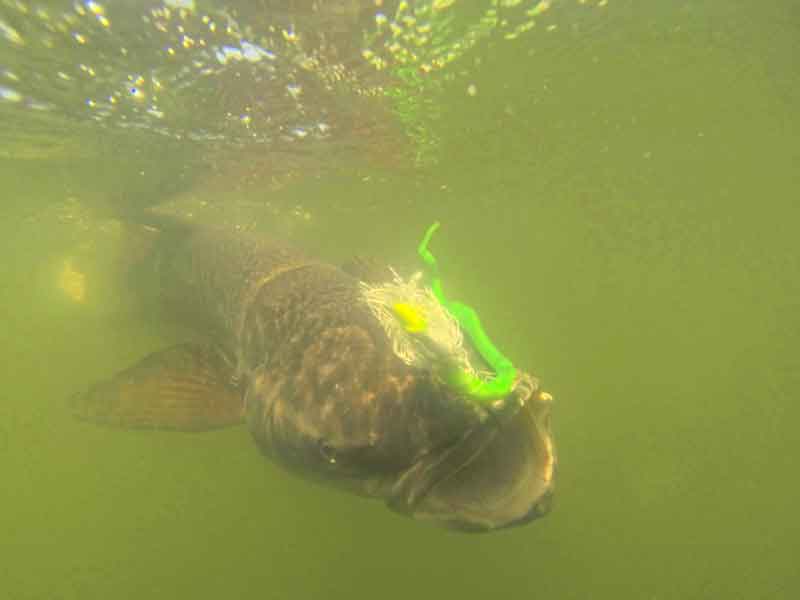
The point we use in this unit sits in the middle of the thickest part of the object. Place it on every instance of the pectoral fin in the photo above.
(185, 388)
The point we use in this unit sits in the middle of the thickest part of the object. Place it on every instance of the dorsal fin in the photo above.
(367, 269)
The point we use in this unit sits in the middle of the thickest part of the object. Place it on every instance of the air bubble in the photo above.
(11, 34)
(9, 95)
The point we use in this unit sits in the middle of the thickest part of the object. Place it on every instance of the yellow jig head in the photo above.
(411, 317)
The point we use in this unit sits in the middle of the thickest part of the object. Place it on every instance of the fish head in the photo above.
(353, 415)
(500, 474)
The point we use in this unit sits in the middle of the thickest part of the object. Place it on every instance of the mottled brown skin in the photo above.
(323, 390)
(324, 395)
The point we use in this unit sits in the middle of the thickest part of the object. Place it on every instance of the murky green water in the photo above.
(619, 199)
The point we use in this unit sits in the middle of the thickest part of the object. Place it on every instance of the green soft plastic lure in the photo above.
(505, 373)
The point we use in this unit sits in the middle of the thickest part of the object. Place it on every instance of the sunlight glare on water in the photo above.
(247, 73)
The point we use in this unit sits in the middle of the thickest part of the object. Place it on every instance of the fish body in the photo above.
(289, 346)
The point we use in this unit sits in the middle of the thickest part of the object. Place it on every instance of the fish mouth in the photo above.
(499, 475)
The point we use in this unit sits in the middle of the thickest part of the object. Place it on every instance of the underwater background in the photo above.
(618, 186)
